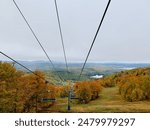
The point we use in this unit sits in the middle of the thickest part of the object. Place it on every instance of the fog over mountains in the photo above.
(45, 65)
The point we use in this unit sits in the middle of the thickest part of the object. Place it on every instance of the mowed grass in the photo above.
(109, 101)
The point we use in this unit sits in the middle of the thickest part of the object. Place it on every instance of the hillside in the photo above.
(109, 101)
(125, 91)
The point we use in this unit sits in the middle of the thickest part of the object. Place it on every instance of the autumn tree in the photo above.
(135, 88)
(9, 88)
(87, 91)
(21, 92)
(38, 88)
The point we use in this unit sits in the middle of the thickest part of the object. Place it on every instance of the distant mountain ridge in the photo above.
(44, 65)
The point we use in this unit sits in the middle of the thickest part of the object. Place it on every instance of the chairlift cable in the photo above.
(37, 39)
(94, 38)
(61, 35)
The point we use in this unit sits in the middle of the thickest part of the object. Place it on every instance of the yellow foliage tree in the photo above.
(87, 91)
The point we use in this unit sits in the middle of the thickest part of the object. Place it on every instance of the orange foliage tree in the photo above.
(134, 88)
(22, 92)
(87, 91)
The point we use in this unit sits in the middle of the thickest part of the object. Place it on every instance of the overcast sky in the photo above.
(124, 36)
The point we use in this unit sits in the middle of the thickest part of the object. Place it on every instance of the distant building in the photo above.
(97, 76)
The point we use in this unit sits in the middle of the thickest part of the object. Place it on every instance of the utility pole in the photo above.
(69, 100)
(71, 96)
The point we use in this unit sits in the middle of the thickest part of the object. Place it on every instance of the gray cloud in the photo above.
(124, 35)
